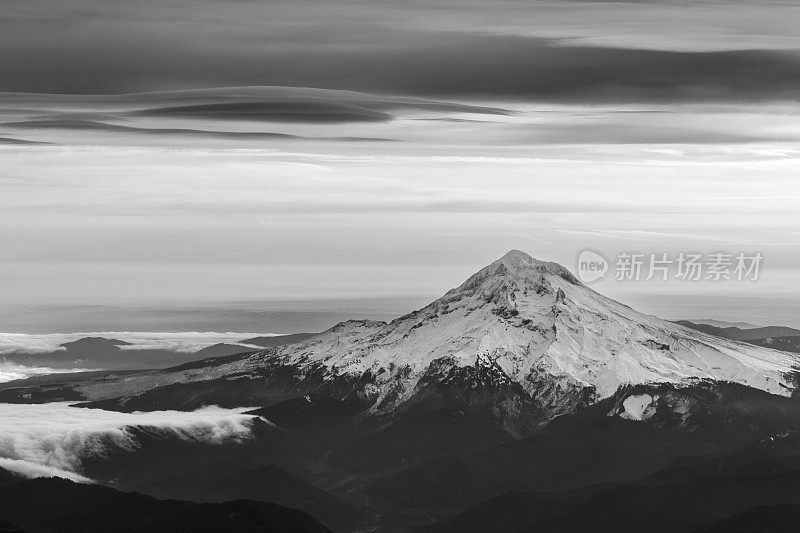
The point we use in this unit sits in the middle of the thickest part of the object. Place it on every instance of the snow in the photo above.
(636, 407)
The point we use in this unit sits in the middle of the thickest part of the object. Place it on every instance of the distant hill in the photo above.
(723, 323)
(762, 333)
(111, 354)
(93, 345)
(58, 505)
(739, 334)
(787, 344)
(776, 337)
(176, 468)
(706, 328)
(221, 350)
(280, 340)
(100, 352)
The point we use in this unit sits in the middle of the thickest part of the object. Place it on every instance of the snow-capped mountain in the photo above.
(521, 337)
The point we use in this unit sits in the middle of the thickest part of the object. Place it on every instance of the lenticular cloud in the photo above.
(49, 440)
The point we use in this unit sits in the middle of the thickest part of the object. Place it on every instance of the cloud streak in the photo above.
(10, 371)
(49, 440)
(181, 133)
(314, 112)
(513, 51)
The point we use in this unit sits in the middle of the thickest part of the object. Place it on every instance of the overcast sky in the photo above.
(440, 135)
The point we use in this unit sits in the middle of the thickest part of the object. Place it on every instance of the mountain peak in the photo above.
(517, 256)
(520, 266)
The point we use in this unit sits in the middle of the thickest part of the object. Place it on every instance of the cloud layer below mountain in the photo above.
(181, 342)
(52, 439)
(10, 371)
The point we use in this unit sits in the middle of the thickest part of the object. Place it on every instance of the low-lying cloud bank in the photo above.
(182, 342)
(9, 371)
(50, 440)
